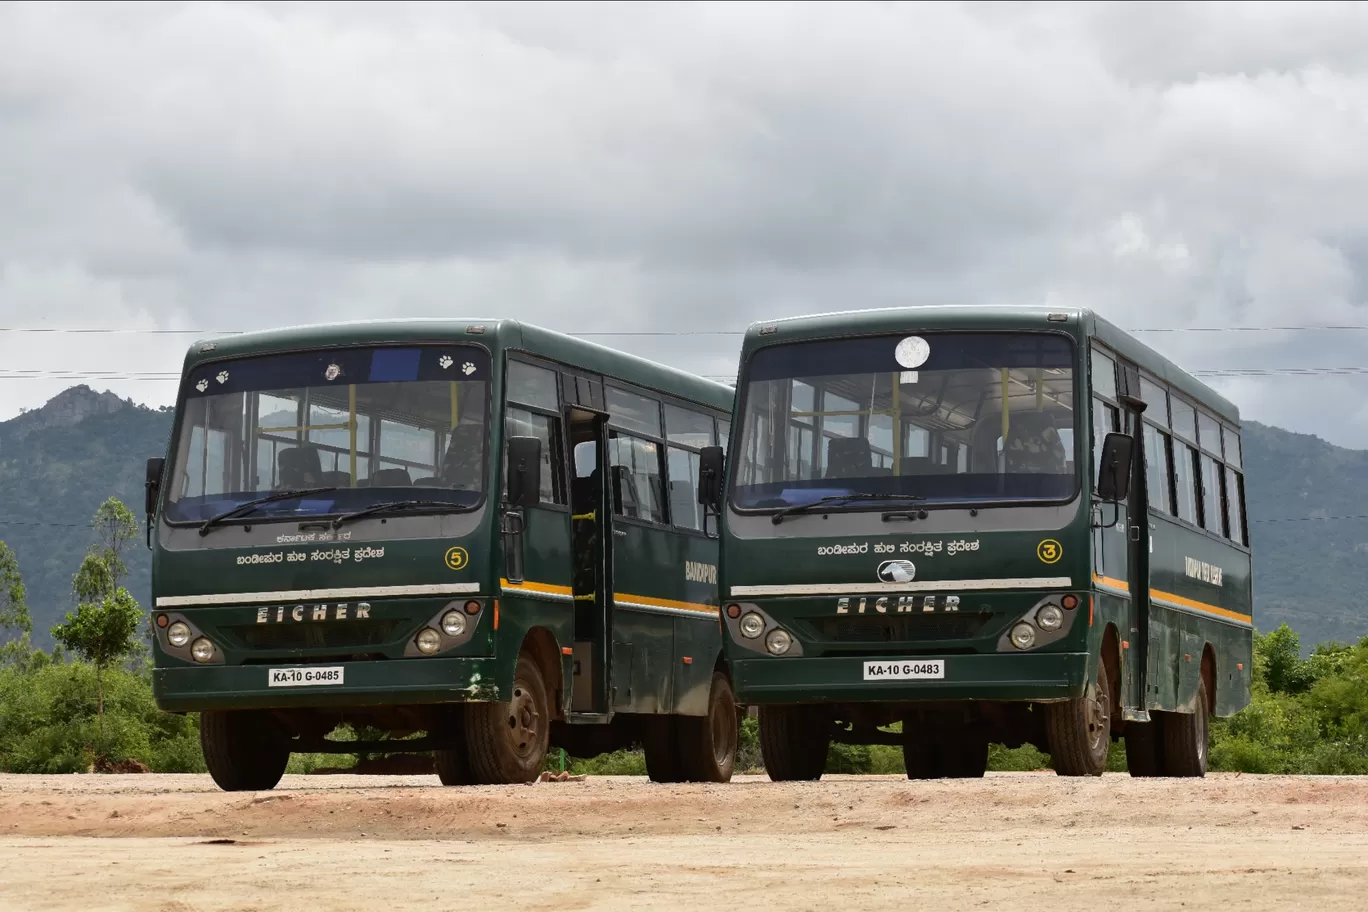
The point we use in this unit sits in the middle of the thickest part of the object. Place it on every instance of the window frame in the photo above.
(559, 458)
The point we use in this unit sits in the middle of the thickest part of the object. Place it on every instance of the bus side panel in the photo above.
(698, 635)
(545, 599)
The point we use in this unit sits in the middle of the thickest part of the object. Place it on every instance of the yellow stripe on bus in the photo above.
(1179, 600)
(552, 589)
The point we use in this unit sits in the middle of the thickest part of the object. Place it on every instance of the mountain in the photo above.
(1308, 510)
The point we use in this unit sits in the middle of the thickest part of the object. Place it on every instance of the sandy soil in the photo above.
(1019, 841)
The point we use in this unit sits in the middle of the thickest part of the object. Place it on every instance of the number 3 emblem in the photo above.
(457, 558)
(1049, 551)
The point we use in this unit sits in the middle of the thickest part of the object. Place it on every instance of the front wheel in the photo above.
(508, 740)
(245, 751)
(945, 758)
(452, 764)
(707, 744)
(794, 742)
(1080, 729)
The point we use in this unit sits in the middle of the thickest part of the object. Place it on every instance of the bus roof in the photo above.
(508, 334)
(984, 316)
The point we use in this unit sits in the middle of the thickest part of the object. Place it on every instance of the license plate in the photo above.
(304, 677)
(919, 670)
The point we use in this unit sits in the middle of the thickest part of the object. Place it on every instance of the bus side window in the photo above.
(523, 423)
(1185, 481)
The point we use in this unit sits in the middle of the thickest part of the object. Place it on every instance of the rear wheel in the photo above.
(244, 750)
(660, 743)
(508, 740)
(707, 744)
(945, 758)
(1185, 738)
(453, 766)
(794, 742)
(1144, 748)
(1080, 729)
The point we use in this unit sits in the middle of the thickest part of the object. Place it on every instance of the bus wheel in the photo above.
(1080, 729)
(707, 744)
(1144, 748)
(945, 758)
(245, 751)
(1185, 738)
(452, 766)
(794, 742)
(508, 740)
(660, 744)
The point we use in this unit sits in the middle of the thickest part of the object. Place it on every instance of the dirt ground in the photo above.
(1009, 841)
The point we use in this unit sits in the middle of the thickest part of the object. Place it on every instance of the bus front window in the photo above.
(369, 424)
(981, 416)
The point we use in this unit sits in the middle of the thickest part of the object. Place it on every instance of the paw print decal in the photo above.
(445, 361)
(333, 372)
(467, 368)
(222, 377)
(202, 385)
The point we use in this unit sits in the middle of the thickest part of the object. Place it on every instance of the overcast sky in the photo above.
(692, 167)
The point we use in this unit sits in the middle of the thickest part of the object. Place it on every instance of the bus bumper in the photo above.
(369, 683)
(998, 677)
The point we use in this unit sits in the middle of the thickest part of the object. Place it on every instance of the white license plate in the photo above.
(305, 677)
(908, 670)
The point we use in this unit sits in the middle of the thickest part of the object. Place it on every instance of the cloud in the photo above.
(687, 167)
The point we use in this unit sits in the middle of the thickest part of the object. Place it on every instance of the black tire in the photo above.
(507, 740)
(945, 758)
(660, 743)
(794, 742)
(245, 751)
(707, 744)
(452, 764)
(1079, 730)
(1145, 748)
(1186, 738)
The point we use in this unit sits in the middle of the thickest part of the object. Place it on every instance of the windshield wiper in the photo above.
(251, 505)
(396, 506)
(778, 517)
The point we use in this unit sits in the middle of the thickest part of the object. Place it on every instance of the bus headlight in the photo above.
(428, 641)
(1050, 617)
(203, 650)
(178, 634)
(778, 642)
(453, 623)
(752, 625)
(1023, 636)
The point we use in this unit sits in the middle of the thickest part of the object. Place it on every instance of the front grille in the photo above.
(901, 628)
(312, 636)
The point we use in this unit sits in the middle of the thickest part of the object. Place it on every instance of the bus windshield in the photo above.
(369, 425)
(948, 416)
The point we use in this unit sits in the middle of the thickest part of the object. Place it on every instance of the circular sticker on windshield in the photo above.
(912, 352)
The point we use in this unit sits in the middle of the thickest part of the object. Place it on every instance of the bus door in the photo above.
(1137, 531)
(591, 533)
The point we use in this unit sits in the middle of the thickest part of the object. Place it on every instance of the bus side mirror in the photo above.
(152, 484)
(1113, 478)
(524, 471)
(710, 467)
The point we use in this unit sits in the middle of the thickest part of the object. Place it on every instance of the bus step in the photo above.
(1135, 715)
(575, 718)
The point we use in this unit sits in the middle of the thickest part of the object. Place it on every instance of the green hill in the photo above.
(58, 463)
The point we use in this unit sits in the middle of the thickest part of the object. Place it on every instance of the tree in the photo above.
(16, 625)
(103, 629)
(1279, 655)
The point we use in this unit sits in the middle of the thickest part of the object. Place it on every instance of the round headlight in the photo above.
(1050, 617)
(778, 642)
(1023, 636)
(203, 650)
(178, 634)
(428, 641)
(752, 625)
(453, 623)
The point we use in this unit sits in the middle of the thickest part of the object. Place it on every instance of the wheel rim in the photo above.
(722, 719)
(524, 720)
(1098, 713)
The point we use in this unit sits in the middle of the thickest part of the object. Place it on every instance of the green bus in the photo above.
(472, 537)
(945, 527)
